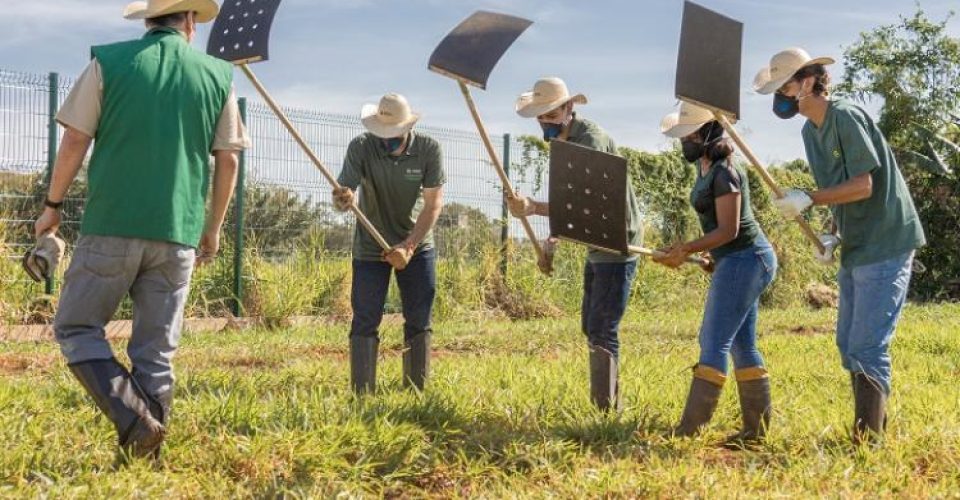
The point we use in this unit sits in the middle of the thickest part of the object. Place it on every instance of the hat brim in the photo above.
(527, 108)
(763, 84)
(680, 130)
(206, 10)
(370, 119)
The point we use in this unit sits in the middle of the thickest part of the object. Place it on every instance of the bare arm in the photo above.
(856, 189)
(432, 205)
(728, 226)
(73, 149)
(224, 181)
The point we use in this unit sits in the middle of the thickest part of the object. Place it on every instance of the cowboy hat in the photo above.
(782, 67)
(391, 118)
(685, 121)
(206, 10)
(547, 95)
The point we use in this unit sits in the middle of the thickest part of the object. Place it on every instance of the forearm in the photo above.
(714, 239)
(425, 222)
(73, 149)
(224, 182)
(541, 208)
(856, 189)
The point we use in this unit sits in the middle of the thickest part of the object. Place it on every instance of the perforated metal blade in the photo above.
(241, 33)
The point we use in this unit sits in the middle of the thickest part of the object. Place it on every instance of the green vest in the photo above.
(149, 172)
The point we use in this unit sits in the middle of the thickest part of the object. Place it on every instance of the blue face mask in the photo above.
(551, 130)
(785, 107)
(393, 144)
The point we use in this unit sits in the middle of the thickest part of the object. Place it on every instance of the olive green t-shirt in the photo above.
(589, 134)
(390, 188)
(724, 178)
(848, 144)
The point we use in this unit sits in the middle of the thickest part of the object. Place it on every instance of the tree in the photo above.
(914, 67)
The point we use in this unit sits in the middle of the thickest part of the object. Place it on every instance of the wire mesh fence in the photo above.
(284, 203)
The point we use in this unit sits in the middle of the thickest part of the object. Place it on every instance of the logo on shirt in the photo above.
(413, 174)
(836, 153)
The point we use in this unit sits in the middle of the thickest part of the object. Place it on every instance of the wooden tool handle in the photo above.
(693, 259)
(767, 178)
(504, 180)
(310, 154)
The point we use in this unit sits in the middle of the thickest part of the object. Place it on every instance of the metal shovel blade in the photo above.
(241, 33)
(474, 47)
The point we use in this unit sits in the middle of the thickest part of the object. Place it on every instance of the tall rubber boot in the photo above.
(701, 401)
(118, 396)
(870, 404)
(363, 364)
(416, 360)
(753, 386)
(604, 387)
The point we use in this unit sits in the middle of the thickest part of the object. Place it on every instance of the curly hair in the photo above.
(821, 85)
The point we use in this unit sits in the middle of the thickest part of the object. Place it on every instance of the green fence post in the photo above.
(505, 213)
(238, 223)
(53, 107)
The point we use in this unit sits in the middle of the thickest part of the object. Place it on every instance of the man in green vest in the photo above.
(157, 110)
(607, 278)
(399, 175)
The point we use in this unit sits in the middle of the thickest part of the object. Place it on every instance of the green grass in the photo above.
(268, 413)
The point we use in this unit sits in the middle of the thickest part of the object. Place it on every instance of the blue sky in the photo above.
(335, 55)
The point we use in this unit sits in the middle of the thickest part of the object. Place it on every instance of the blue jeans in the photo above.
(871, 299)
(730, 316)
(418, 287)
(606, 290)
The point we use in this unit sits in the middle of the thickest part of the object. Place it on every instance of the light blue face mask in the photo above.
(551, 130)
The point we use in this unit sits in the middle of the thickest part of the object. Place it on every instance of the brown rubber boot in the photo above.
(701, 401)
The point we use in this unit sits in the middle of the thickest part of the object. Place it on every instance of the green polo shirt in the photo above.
(589, 134)
(848, 144)
(390, 188)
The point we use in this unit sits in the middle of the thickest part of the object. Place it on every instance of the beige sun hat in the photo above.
(782, 67)
(547, 95)
(391, 118)
(206, 10)
(685, 121)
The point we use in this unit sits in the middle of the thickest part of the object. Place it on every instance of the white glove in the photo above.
(793, 203)
(830, 243)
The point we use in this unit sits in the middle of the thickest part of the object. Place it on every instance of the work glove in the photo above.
(545, 263)
(342, 198)
(520, 206)
(793, 203)
(830, 243)
(42, 261)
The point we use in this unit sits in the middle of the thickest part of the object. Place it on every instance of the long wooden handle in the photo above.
(693, 259)
(507, 186)
(313, 157)
(767, 178)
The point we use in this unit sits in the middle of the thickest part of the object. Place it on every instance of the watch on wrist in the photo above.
(56, 205)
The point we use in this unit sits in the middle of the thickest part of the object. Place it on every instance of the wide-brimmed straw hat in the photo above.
(685, 121)
(782, 67)
(547, 95)
(206, 10)
(391, 118)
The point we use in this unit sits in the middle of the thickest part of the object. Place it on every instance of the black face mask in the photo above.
(692, 150)
(785, 107)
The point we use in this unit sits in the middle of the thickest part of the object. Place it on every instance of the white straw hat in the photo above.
(782, 67)
(206, 10)
(547, 95)
(685, 121)
(391, 118)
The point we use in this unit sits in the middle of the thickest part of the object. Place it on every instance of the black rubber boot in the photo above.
(416, 361)
(118, 396)
(870, 416)
(604, 390)
(755, 407)
(363, 364)
(701, 401)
